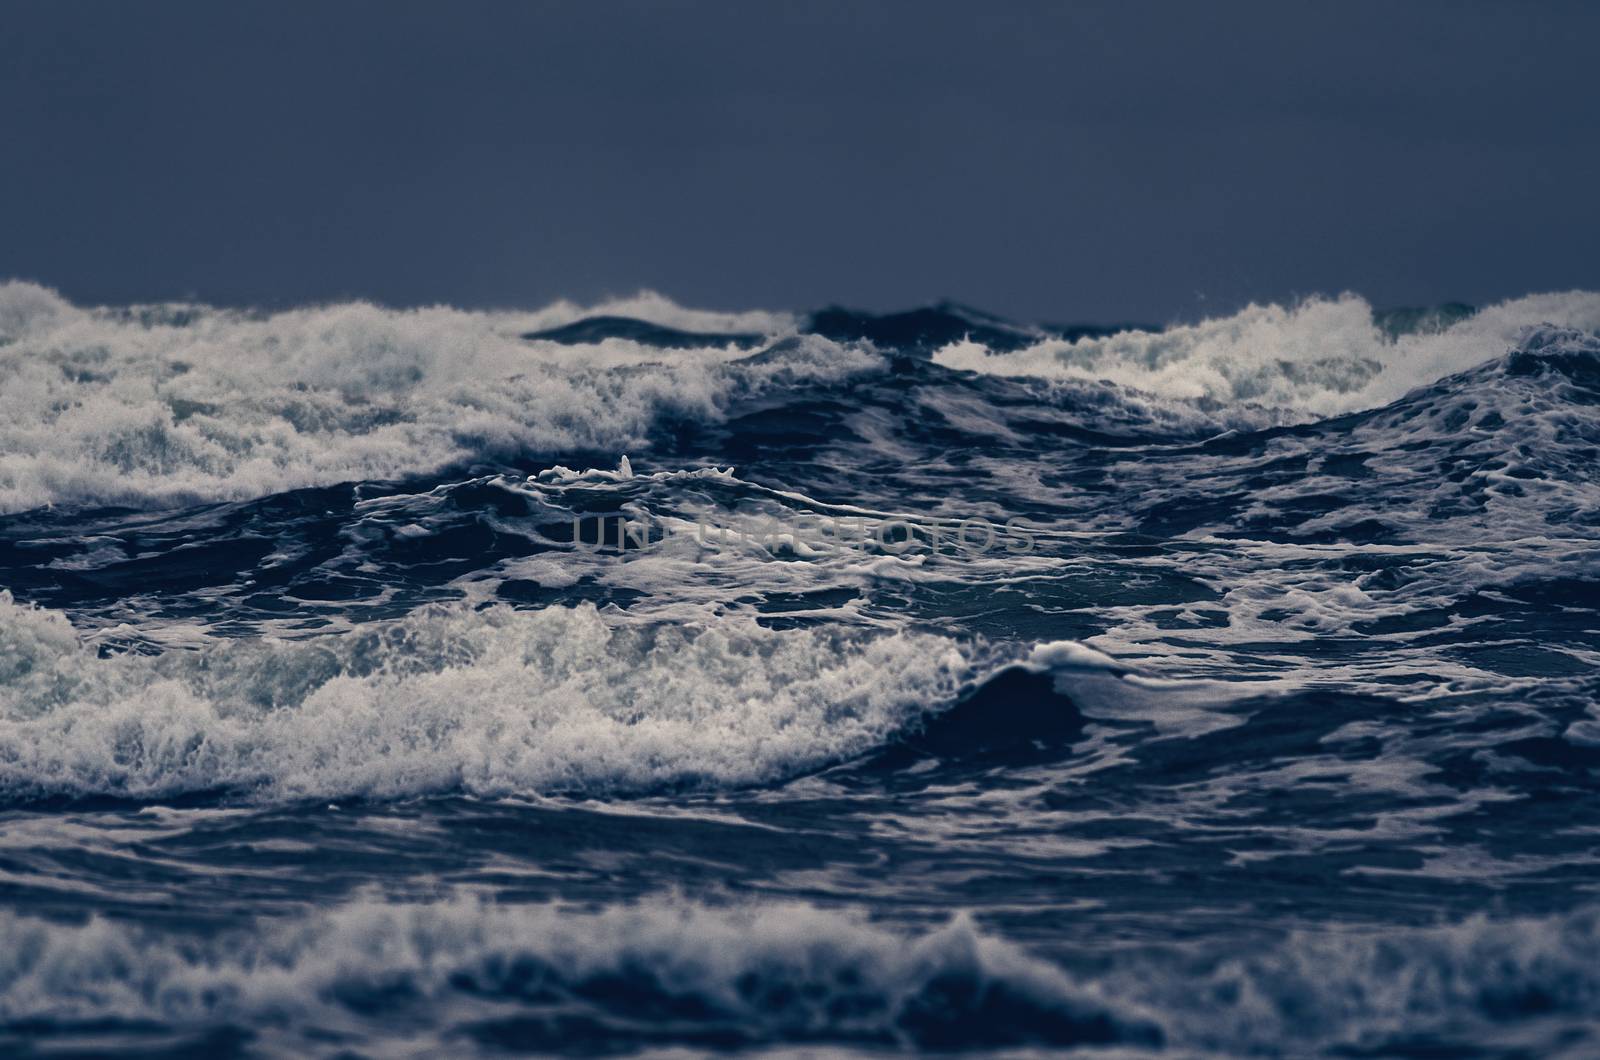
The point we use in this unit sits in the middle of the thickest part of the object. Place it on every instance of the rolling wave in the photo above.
(171, 405)
(537, 978)
(1314, 359)
(467, 975)
(491, 702)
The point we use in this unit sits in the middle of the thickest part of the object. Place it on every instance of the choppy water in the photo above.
(326, 728)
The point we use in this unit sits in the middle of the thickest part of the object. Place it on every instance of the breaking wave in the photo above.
(1320, 357)
(669, 972)
(179, 404)
(490, 702)
(548, 977)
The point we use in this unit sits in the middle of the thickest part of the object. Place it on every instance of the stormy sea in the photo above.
(630, 678)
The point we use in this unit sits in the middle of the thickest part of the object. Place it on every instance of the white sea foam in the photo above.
(1479, 981)
(656, 969)
(169, 405)
(489, 701)
(1320, 357)
(173, 405)
(668, 971)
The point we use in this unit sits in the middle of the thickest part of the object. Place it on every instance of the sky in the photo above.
(1048, 161)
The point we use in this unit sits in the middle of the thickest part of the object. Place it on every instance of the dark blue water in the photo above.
(633, 678)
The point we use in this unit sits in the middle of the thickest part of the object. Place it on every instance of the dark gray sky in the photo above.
(1061, 161)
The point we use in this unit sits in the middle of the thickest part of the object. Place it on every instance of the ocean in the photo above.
(635, 679)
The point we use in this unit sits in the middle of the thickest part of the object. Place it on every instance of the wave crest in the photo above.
(173, 405)
(543, 977)
(671, 972)
(1321, 357)
(493, 701)
(171, 408)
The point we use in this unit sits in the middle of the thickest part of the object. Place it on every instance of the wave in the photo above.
(922, 331)
(1498, 453)
(163, 406)
(490, 702)
(592, 330)
(547, 977)
(493, 701)
(178, 405)
(671, 972)
(1527, 986)
(1318, 358)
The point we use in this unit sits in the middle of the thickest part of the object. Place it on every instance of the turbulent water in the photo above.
(629, 678)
